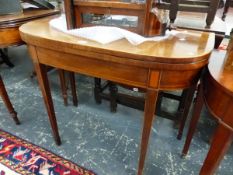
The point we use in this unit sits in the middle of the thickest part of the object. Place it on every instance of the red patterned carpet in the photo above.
(18, 157)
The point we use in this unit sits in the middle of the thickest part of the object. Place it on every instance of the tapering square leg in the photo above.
(193, 124)
(150, 103)
(187, 98)
(42, 77)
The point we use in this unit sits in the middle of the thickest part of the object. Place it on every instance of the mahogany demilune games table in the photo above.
(170, 64)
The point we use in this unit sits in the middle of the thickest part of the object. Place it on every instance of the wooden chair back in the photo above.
(147, 22)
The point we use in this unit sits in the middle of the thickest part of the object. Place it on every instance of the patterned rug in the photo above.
(19, 157)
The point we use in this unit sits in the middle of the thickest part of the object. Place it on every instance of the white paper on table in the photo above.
(104, 34)
(101, 34)
(26, 5)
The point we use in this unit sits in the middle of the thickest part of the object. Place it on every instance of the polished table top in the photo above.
(173, 63)
(184, 47)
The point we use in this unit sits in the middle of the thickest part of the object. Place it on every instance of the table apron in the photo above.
(219, 101)
(133, 75)
(126, 74)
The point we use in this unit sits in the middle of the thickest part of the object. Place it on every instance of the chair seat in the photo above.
(203, 6)
(186, 7)
(188, 2)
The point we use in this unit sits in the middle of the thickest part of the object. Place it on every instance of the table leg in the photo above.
(73, 88)
(42, 77)
(193, 124)
(63, 85)
(150, 103)
(221, 142)
(6, 100)
(185, 111)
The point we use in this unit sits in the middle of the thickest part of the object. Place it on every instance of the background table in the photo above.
(216, 91)
(9, 28)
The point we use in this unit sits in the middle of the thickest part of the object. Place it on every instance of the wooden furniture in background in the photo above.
(202, 6)
(216, 92)
(138, 102)
(63, 82)
(9, 28)
(228, 4)
(169, 64)
(9, 36)
(190, 22)
(190, 18)
(7, 102)
(147, 23)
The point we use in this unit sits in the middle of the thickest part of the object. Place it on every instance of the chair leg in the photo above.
(5, 59)
(180, 110)
(97, 90)
(173, 10)
(63, 85)
(211, 14)
(196, 115)
(187, 98)
(73, 88)
(226, 8)
(7, 102)
(159, 103)
(113, 96)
